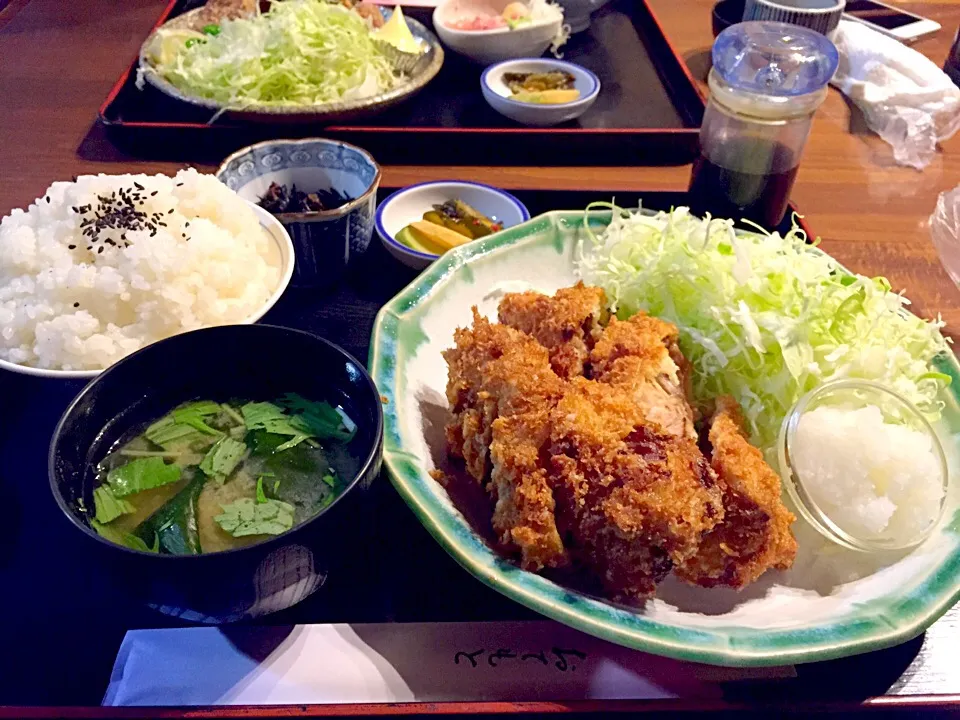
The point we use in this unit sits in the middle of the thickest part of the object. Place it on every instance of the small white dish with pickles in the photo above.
(420, 223)
(539, 92)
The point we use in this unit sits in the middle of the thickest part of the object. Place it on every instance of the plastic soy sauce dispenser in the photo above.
(767, 80)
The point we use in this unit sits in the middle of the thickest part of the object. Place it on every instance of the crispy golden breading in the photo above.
(632, 500)
(567, 324)
(755, 534)
(524, 516)
(501, 388)
(470, 430)
(636, 356)
(216, 11)
(584, 436)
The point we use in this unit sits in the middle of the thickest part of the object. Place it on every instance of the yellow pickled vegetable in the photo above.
(546, 97)
(426, 232)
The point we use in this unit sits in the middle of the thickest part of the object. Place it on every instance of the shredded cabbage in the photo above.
(762, 317)
(301, 52)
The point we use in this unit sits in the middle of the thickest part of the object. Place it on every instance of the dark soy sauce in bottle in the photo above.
(750, 181)
(766, 83)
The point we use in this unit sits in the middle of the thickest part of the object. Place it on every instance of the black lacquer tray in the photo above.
(648, 112)
(64, 617)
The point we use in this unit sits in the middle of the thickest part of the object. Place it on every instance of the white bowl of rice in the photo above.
(98, 268)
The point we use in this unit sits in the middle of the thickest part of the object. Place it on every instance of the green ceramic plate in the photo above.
(832, 603)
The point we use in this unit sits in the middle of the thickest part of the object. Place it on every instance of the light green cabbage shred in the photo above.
(762, 317)
(301, 52)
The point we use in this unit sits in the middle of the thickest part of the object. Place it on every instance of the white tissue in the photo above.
(906, 99)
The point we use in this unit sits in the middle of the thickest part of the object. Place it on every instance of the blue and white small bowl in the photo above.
(409, 204)
(325, 240)
(497, 94)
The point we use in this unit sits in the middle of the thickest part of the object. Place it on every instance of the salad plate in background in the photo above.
(257, 68)
(834, 601)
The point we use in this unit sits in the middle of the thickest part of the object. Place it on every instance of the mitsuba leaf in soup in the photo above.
(142, 474)
(118, 537)
(108, 507)
(223, 458)
(255, 517)
(211, 476)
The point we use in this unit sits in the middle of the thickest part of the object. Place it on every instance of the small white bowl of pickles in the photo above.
(421, 222)
(539, 92)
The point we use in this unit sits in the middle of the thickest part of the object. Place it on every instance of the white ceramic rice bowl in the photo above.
(284, 246)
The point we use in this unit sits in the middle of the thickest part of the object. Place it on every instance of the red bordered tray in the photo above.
(648, 113)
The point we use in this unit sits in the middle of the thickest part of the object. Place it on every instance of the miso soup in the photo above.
(211, 476)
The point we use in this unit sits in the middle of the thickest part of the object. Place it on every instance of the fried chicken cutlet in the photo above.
(632, 500)
(755, 534)
(584, 435)
(501, 389)
(641, 356)
(567, 324)
(641, 353)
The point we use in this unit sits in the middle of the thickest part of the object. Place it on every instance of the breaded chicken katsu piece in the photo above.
(501, 389)
(640, 355)
(755, 535)
(469, 432)
(567, 324)
(580, 427)
(632, 500)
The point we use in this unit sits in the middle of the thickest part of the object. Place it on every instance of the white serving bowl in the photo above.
(497, 94)
(284, 246)
(490, 46)
(409, 204)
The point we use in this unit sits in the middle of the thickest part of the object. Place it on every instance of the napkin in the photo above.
(398, 662)
(906, 99)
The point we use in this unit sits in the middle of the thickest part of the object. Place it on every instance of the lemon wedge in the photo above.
(396, 32)
(167, 43)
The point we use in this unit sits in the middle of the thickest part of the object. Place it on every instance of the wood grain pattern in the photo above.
(59, 59)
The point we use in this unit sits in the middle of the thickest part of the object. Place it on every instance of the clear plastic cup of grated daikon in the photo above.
(863, 466)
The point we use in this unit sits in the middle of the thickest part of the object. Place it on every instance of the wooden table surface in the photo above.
(59, 59)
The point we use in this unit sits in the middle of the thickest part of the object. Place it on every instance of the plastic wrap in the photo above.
(945, 231)
(906, 99)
